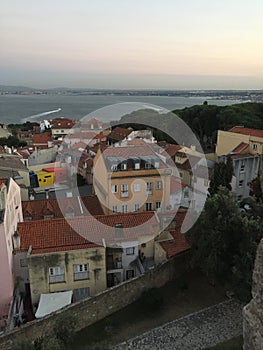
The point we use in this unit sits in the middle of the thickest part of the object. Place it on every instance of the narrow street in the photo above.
(198, 330)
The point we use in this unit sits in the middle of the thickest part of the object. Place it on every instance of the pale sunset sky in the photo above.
(133, 44)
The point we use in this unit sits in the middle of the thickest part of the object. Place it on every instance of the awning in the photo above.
(51, 302)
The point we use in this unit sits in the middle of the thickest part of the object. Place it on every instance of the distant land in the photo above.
(243, 95)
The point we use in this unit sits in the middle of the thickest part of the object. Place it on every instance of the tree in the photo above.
(224, 242)
(222, 176)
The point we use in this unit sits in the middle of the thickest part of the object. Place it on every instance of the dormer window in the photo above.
(147, 165)
(157, 165)
(114, 167)
(123, 166)
(137, 166)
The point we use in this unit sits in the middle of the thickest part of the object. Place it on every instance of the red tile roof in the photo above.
(50, 236)
(37, 209)
(62, 123)
(43, 138)
(47, 236)
(119, 134)
(240, 148)
(94, 123)
(247, 131)
(178, 244)
(170, 150)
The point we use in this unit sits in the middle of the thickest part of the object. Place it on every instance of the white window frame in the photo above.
(159, 185)
(136, 207)
(81, 272)
(123, 166)
(158, 205)
(114, 188)
(124, 190)
(147, 205)
(136, 166)
(130, 251)
(115, 209)
(255, 147)
(124, 208)
(149, 188)
(136, 187)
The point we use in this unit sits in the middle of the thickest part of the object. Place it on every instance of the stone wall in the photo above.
(94, 309)
(253, 312)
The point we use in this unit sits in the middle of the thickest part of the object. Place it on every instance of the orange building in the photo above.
(131, 178)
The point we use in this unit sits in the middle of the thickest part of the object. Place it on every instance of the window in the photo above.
(143, 245)
(157, 165)
(130, 251)
(114, 167)
(147, 165)
(129, 274)
(158, 205)
(56, 274)
(23, 262)
(124, 208)
(114, 188)
(255, 147)
(158, 185)
(186, 194)
(81, 293)
(81, 272)
(123, 166)
(62, 130)
(149, 206)
(118, 230)
(137, 166)
(136, 207)
(240, 183)
(181, 175)
(114, 209)
(124, 190)
(242, 166)
(136, 187)
(149, 187)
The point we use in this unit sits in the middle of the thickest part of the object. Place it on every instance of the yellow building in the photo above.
(45, 178)
(59, 259)
(241, 140)
(131, 178)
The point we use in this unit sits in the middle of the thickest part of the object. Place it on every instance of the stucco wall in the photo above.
(94, 309)
(39, 271)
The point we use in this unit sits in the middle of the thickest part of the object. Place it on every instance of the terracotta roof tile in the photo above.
(45, 137)
(62, 123)
(48, 236)
(240, 148)
(119, 134)
(247, 131)
(38, 208)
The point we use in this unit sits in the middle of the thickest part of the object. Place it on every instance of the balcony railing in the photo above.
(81, 275)
(114, 265)
(57, 278)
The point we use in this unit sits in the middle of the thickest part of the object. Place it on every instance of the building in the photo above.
(42, 141)
(61, 127)
(10, 215)
(95, 125)
(246, 169)
(249, 140)
(131, 178)
(55, 258)
(245, 147)
(11, 166)
(117, 135)
(52, 208)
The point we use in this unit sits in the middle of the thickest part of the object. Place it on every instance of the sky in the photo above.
(132, 44)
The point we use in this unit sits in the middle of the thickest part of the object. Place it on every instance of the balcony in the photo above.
(84, 275)
(57, 278)
(114, 265)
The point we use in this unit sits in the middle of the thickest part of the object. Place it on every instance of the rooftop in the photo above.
(247, 131)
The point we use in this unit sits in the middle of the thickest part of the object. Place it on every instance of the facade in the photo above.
(61, 127)
(246, 169)
(42, 141)
(249, 139)
(54, 258)
(131, 178)
(11, 214)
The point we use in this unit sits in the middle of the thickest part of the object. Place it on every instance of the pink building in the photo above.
(11, 214)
